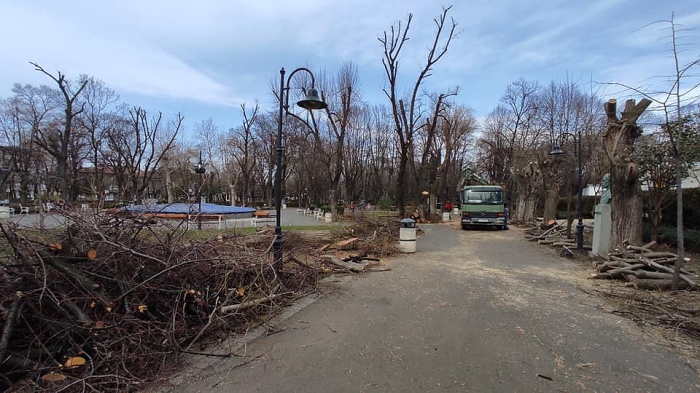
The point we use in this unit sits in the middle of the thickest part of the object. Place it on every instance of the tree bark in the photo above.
(626, 205)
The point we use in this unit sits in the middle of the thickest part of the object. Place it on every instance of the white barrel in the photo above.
(445, 216)
(328, 217)
(407, 235)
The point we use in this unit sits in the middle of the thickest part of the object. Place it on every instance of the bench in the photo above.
(206, 217)
(318, 214)
(262, 219)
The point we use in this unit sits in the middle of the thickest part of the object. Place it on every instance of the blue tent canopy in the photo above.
(191, 208)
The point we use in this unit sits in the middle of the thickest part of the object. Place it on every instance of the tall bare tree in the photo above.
(408, 111)
(341, 115)
(243, 143)
(57, 140)
(97, 116)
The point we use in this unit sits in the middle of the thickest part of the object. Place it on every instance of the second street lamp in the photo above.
(311, 101)
(556, 150)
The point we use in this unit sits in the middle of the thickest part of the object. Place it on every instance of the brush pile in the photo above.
(109, 302)
(644, 268)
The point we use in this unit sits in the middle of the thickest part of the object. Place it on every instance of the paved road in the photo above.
(471, 311)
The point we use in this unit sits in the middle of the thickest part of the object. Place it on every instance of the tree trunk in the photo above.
(401, 182)
(169, 186)
(529, 210)
(550, 204)
(626, 205)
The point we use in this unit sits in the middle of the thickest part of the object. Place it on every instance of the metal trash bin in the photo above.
(407, 235)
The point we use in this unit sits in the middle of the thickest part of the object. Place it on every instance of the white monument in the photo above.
(602, 226)
(601, 231)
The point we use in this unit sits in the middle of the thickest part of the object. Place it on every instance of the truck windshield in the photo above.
(483, 197)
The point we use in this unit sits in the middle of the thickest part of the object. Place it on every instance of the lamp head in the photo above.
(556, 151)
(312, 101)
(200, 169)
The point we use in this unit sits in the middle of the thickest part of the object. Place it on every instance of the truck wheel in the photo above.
(465, 227)
(499, 227)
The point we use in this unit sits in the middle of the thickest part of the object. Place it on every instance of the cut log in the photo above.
(249, 304)
(652, 284)
(659, 254)
(649, 245)
(638, 248)
(351, 266)
(348, 244)
(663, 268)
(9, 324)
(652, 275)
(621, 259)
(619, 272)
(93, 287)
(300, 262)
(571, 245)
(604, 267)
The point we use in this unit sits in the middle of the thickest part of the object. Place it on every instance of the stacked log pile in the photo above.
(553, 234)
(644, 268)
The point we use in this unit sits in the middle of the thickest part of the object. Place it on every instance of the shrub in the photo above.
(385, 203)
(667, 236)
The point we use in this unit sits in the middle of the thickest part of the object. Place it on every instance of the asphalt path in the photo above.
(471, 311)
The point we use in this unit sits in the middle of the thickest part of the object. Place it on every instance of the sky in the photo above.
(205, 58)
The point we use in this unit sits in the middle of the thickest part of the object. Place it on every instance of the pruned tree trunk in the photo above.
(548, 172)
(626, 205)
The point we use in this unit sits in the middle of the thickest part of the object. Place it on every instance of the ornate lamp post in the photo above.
(311, 101)
(556, 150)
(200, 170)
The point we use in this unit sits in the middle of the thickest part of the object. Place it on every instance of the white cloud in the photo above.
(219, 52)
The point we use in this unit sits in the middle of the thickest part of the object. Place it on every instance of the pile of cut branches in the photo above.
(108, 302)
(378, 236)
(678, 314)
(644, 268)
(553, 234)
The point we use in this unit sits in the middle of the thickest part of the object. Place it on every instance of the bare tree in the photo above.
(455, 138)
(657, 172)
(141, 147)
(243, 143)
(96, 118)
(407, 112)
(562, 112)
(29, 110)
(671, 102)
(57, 140)
(340, 114)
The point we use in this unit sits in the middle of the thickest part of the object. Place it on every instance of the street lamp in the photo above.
(200, 170)
(557, 150)
(311, 101)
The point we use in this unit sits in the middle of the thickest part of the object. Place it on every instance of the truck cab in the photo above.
(482, 206)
